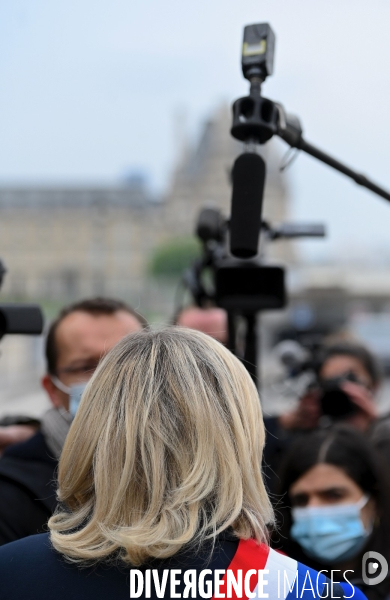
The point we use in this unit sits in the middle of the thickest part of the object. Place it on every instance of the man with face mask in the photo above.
(76, 341)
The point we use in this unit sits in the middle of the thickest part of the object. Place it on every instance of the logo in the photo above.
(374, 568)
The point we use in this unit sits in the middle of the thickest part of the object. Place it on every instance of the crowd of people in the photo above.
(155, 455)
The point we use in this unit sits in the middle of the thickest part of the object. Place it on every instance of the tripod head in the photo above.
(255, 119)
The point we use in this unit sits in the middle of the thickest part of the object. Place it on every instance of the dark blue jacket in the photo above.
(27, 489)
(31, 570)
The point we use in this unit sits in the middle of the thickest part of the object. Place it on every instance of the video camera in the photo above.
(242, 287)
(236, 280)
(24, 319)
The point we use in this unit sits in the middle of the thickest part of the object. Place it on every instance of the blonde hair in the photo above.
(165, 450)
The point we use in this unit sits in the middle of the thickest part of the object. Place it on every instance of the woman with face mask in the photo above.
(337, 507)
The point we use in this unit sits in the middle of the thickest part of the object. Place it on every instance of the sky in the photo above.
(89, 91)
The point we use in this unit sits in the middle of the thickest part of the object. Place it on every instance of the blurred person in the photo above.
(160, 470)
(76, 341)
(349, 368)
(211, 320)
(15, 429)
(336, 498)
(359, 378)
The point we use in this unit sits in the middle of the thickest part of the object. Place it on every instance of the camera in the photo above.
(240, 283)
(24, 319)
(336, 403)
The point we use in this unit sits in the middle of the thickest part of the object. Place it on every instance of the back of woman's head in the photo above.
(165, 450)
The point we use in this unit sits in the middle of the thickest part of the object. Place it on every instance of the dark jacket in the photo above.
(27, 489)
(31, 570)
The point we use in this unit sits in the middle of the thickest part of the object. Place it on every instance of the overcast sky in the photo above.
(89, 90)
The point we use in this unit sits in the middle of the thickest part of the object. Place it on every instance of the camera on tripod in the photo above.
(243, 287)
(238, 286)
(229, 273)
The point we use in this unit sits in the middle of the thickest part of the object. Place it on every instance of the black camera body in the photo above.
(336, 403)
(24, 319)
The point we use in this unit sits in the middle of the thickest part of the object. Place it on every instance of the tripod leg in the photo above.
(232, 333)
(251, 342)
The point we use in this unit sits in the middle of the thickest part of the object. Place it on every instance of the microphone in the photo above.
(248, 177)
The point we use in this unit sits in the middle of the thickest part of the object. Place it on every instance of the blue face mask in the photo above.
(330, 533)
(74, 392)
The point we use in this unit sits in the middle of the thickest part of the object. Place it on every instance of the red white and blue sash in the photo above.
(272, 575)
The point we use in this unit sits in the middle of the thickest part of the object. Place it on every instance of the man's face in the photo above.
(81, 341)
(212, 321)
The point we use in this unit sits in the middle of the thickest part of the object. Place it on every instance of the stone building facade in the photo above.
(63, 243)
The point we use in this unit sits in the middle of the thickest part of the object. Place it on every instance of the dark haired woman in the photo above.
(336, 505)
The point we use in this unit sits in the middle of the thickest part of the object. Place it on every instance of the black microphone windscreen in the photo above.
(248, 185)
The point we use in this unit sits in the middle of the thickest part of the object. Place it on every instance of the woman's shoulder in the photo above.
(284, 578)
(24, 562)
(32, 568)
(33, 546)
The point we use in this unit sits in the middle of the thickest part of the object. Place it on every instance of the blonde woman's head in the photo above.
(165, 450)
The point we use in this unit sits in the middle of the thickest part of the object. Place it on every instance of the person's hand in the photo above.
(13, 434)
(305, 415)
(362, 398)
